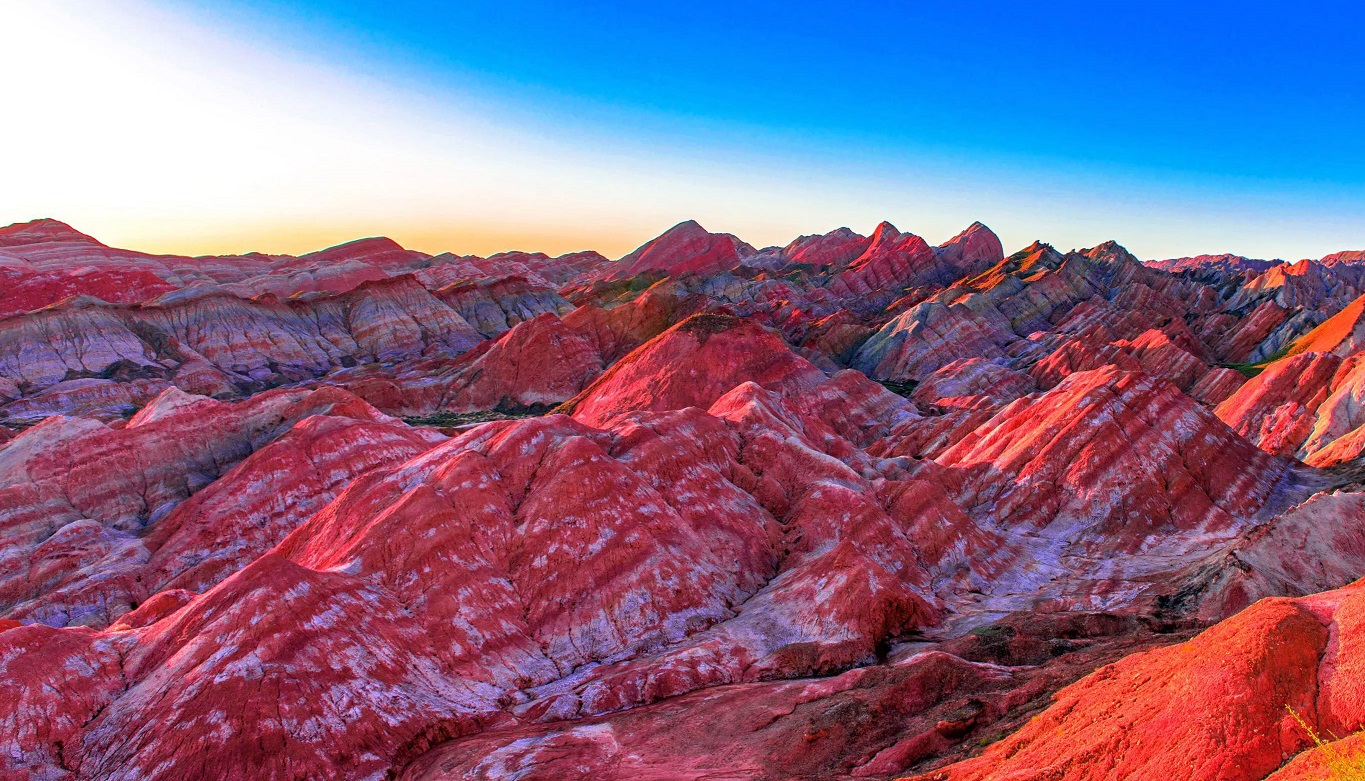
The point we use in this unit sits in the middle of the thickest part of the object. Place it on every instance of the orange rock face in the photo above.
(1276, 408)
(1216, 707)
(853, 507)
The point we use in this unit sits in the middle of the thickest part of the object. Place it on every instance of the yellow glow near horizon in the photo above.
(148, 132)
(301, 238)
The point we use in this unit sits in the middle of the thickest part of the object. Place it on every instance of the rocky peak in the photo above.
(372, 250)
(42, 231)
(884, 232)
(837, 248)
(685, 247)
(973, 250)
(1110, 252)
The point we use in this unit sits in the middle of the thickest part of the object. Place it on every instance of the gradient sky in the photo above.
(197, 127)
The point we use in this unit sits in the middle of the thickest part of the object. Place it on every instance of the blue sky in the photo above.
(1174, 128)
(1251, 90)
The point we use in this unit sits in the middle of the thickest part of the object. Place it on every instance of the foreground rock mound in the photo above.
(1217, 707)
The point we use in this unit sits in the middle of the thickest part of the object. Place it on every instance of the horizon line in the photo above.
(386, 236)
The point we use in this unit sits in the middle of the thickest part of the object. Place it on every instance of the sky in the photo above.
(197, 127)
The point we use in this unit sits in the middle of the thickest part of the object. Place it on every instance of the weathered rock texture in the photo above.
(856, 507)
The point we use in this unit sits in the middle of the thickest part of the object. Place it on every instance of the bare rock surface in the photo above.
(851, 507)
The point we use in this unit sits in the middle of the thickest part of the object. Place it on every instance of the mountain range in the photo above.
(857, 507)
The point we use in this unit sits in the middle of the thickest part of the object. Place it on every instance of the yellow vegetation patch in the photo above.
(1342, 759)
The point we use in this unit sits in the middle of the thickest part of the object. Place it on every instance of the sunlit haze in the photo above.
(188, 129)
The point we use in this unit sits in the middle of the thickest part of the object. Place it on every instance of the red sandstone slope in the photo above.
(550, 597)
(1307, 404)
(1275, 409)
(1341, 334)
(560, 569)
(647, 549)
(826, 294)
(691, 365)
(1213, 708)
(536, 364)
(1225, 262)
(83, 266)
(685, 247)
(837, 248)
(45, 261)
(865, 723)
(77, 498)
